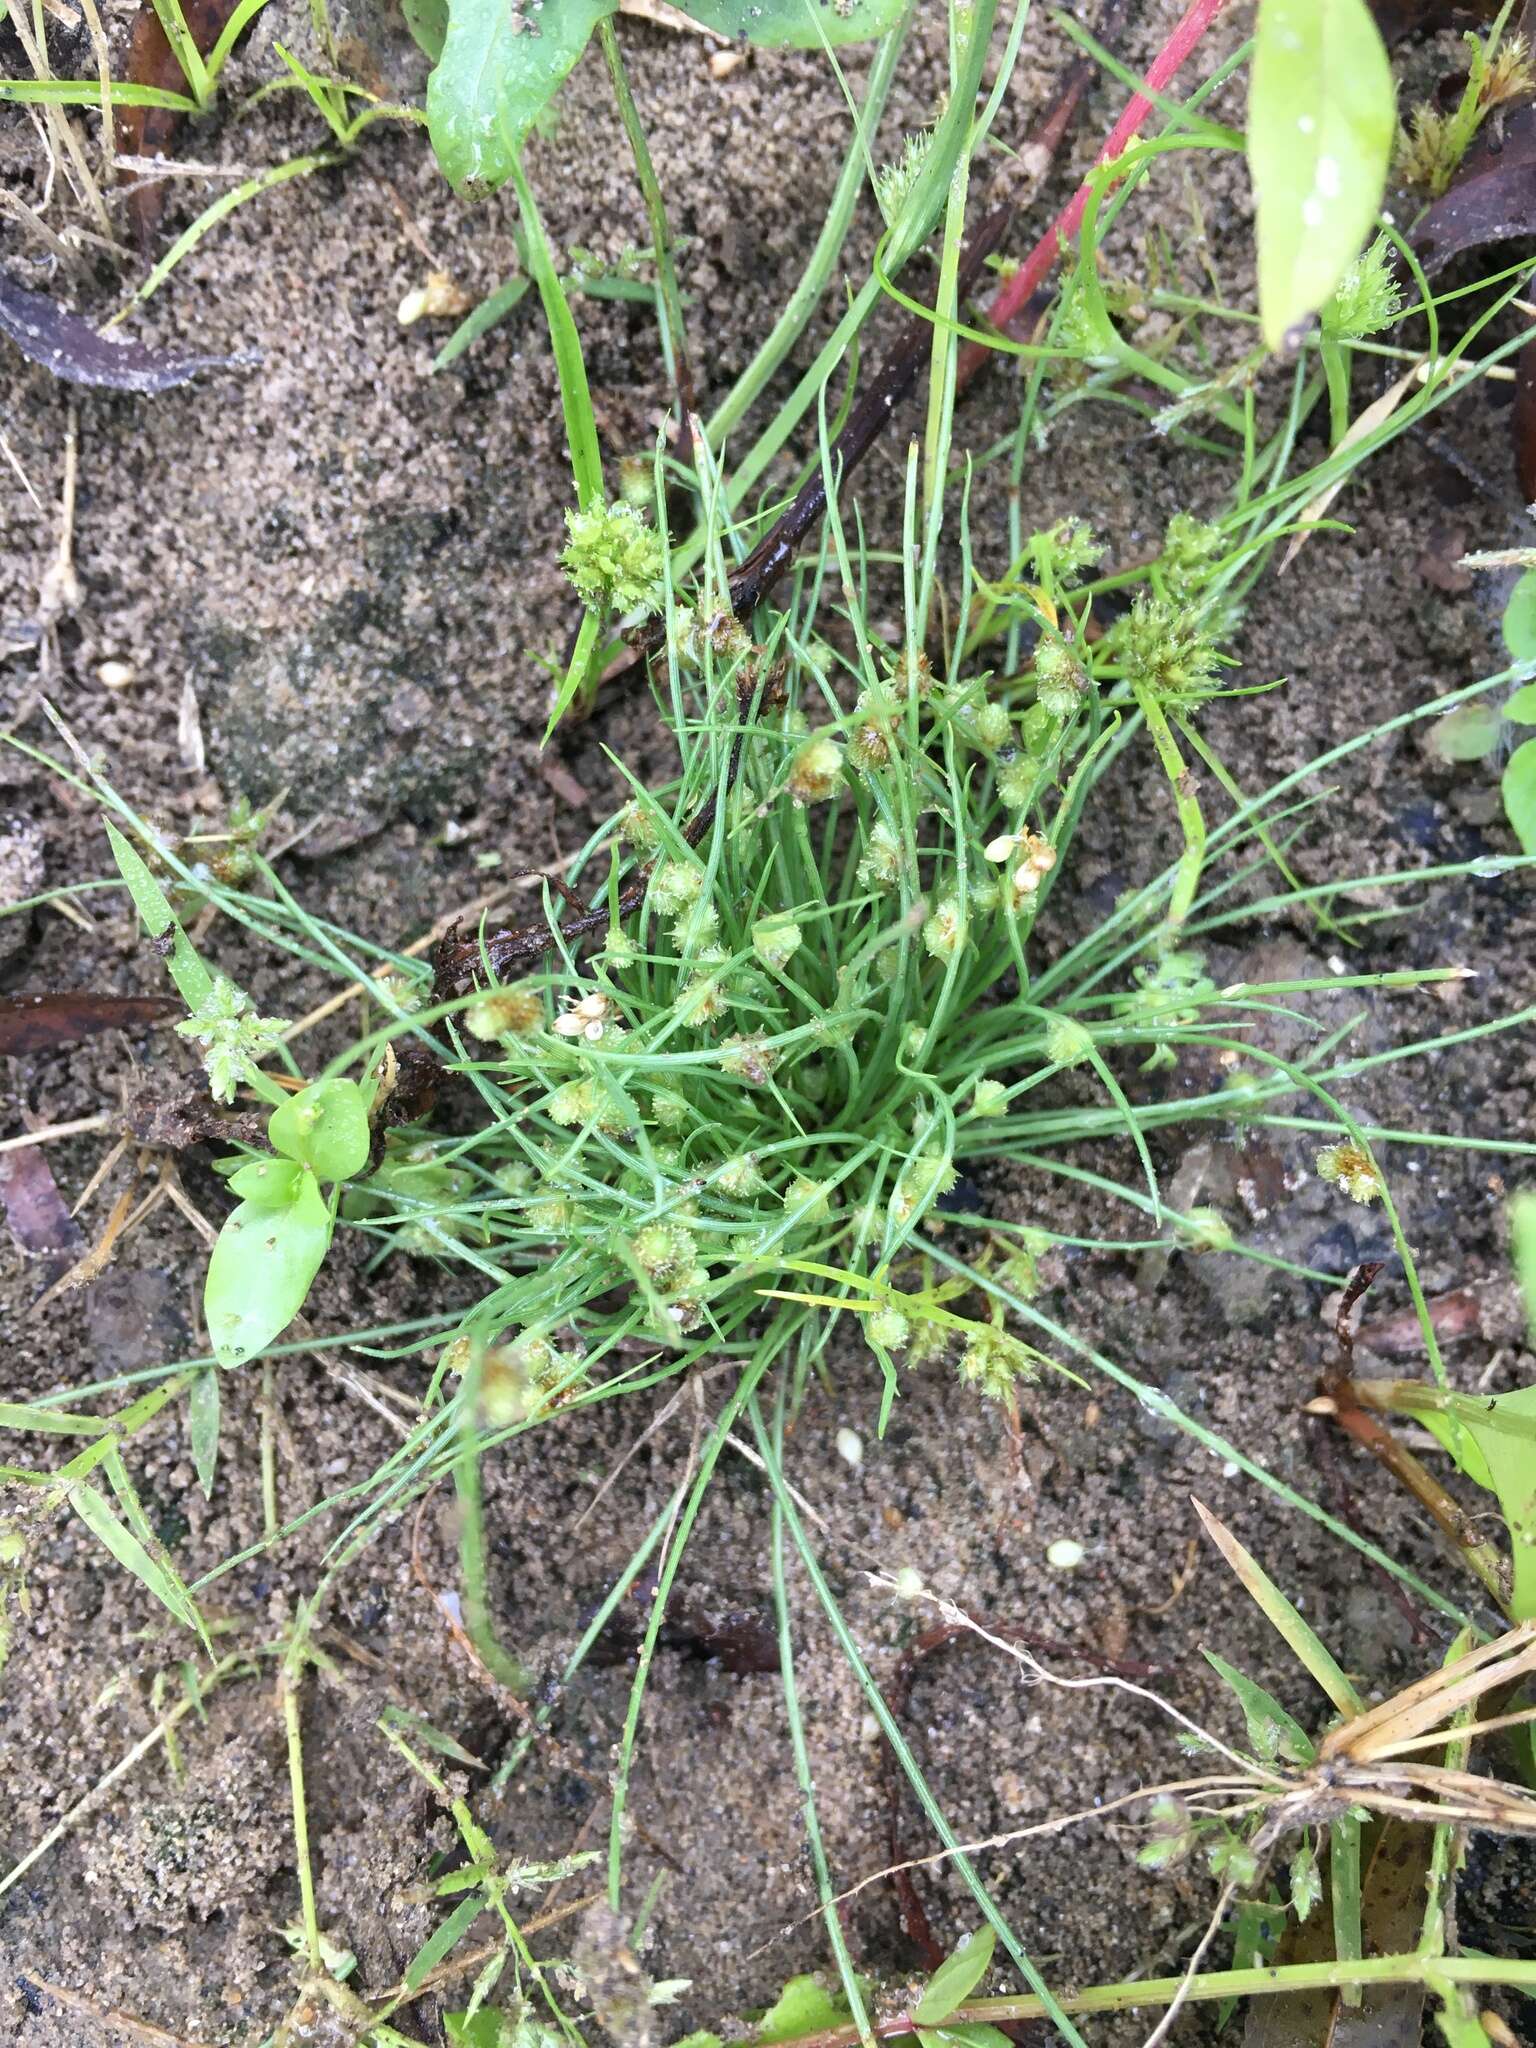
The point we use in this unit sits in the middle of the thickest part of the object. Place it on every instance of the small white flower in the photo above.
(587, 1018)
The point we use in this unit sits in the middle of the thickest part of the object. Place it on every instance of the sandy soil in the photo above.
(343, 562)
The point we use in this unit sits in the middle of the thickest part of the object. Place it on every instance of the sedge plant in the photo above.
(822, 977)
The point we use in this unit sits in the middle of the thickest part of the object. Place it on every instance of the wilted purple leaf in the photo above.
(73, 349)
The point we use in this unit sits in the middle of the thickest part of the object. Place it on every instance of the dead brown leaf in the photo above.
(42, 1023)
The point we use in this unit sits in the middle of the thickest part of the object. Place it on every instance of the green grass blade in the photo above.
(1299, 1634)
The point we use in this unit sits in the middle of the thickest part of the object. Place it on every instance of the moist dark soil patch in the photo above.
(343, 562)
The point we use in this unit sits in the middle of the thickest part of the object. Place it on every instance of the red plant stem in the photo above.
(1019, 289)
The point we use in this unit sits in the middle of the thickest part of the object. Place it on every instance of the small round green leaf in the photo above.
(1520, 794)
(955, 1979)
(1519, 622)
(266, 1183)
(1321, 118)
(1521, 708)
(262, 1268)
(1468, 733)
(324, 1126)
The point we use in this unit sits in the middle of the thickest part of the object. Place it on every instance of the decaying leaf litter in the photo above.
(1250, 1362)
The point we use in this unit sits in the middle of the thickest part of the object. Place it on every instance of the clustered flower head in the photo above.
(925, 1178)
(1350, 1169)
(1167, 651)
(505, 1013)
(1064, 551)
(1067, 1043)
(880, 862)
(233, 1038)
(816, 771)
(665, 1252)
(1031, 858)
(748, 1055)
(614, 559)
(775, 941)
(1059, 680)
(993, 1362)
(944, 930)
(889, 1328)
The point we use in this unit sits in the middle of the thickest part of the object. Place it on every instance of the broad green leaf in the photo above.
(194, 984)
(804, 2006)
(1321, 119)
(427, 21)
(203, 1426)
(266, 1183)
(132, 1554)
(262, 1268)
(495, 78)
(500, 62)
(796, 24)
(326, 1127)
(1520, 794)
(1511, 1460)
(967, 2034)
(1521, 708)
(1271, 1730)
(483, 2031)
(442, 1940)
(1450, 1433)
(1522, 1232)
(956, 1978)
(1519, 621)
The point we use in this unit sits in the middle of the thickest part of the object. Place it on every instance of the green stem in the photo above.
(677, 1543)
(1191, 818)
(1043, 2003)
(670, 303)
(821, 262)
(1260, 1982)
(1336, 370)
(803, 1776)
(288, 1685)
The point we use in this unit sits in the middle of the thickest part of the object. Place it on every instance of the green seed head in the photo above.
(614, 559)
(1067, 1042)
(505, 1013)
(944, 932)
(1060, 684)
(1351, 1170)
(664, 1252)
(880, 864)
(775, 941)
(889, 1328)
(816, 772)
